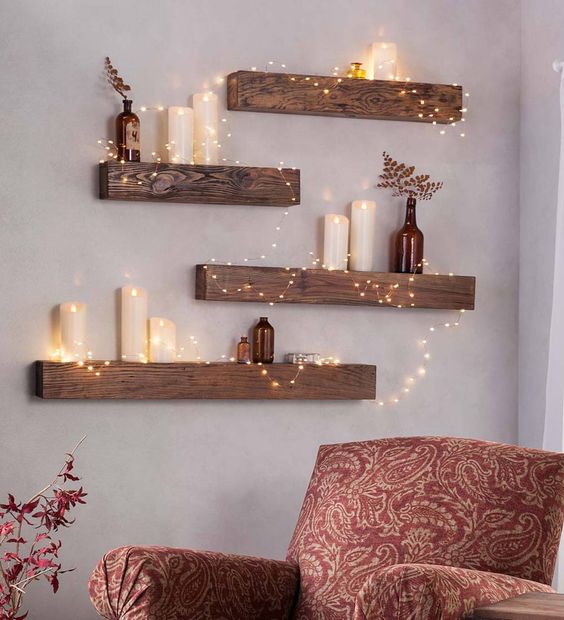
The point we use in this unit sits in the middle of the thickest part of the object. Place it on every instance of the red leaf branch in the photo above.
(30, 558)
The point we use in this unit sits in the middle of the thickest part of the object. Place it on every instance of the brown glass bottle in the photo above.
(244, 351)
(409, 243)
(263, 342)
(128, 134)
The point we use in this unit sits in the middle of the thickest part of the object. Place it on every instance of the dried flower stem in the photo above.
(114, 79)
(401, 180)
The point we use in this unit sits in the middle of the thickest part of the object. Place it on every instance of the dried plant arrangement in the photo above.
(401, 179)
(114, 79)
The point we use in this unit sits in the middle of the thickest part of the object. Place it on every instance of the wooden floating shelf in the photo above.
(321, 286)
(220, 185)
(286, 93)
(127, 380)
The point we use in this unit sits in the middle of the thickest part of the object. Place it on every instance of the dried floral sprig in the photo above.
(114, 80)
(31, 558)
(401, 179)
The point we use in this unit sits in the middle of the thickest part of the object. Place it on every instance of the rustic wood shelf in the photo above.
(320, 286)
(127, 380)
(290, 93)
(220, 185)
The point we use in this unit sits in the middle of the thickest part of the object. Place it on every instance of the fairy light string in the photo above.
(407, 88)
(383, 293)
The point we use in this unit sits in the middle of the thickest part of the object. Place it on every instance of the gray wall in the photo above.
(542, 42)
(231, 476)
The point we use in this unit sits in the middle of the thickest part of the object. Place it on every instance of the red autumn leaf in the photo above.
(30, 507)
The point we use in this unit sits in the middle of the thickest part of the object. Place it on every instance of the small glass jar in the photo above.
(356, 72)
(244, 351)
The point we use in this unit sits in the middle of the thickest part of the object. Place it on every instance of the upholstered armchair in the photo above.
(407, 529)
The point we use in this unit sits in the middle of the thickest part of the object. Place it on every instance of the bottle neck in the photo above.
(127, 105)
(410, 217)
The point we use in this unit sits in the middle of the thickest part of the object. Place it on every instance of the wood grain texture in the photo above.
(221, 185)
(321, 286)
(285, 93)
(127, 380)
(529, 606)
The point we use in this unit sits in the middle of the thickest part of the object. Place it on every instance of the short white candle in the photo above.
(133, 324)
(336, 242)
(363, 220)
(180, 135)
(206, 124)
(72, 321)
(162, 340)
(382, 61)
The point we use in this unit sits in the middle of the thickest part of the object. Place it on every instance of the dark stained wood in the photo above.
(321, 286)
(529, 606)
(127, 380)
(286, 93)
(221, 185)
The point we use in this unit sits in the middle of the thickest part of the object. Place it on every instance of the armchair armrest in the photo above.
(429, 592)
(137, 583)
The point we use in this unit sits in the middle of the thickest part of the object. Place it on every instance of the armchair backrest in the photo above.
(430, 500)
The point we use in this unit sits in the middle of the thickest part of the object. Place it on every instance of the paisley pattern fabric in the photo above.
(425, 500)
(426, 592)
(159, 583)
(422, 528)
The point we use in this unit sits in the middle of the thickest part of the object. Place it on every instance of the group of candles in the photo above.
(193, 132)
(336, 253)
(142, 339)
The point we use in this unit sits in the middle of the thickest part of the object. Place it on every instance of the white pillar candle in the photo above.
(382, 61)
(162, 340)
(133, 324)
(363, 220)
(336, 242)
(180, 135)
(72, 321)
(206, 124)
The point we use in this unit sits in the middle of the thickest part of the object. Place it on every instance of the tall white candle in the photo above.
(162, 340)
(363, 220)
(180, 135)
(206, 124)
(72, 321)
(133, 324)
(336, 241)
(382, 61)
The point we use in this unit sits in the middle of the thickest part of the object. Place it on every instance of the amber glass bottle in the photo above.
(409, 243)
(128, 134)
(244, 351)
(263, 342)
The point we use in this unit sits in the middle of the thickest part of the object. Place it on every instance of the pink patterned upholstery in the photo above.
(422, 528)
(160, 583)
(423, 500)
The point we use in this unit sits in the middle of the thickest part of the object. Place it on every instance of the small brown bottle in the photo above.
(409, 243)
(263, 342)
(128, 134)
(244, 351)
